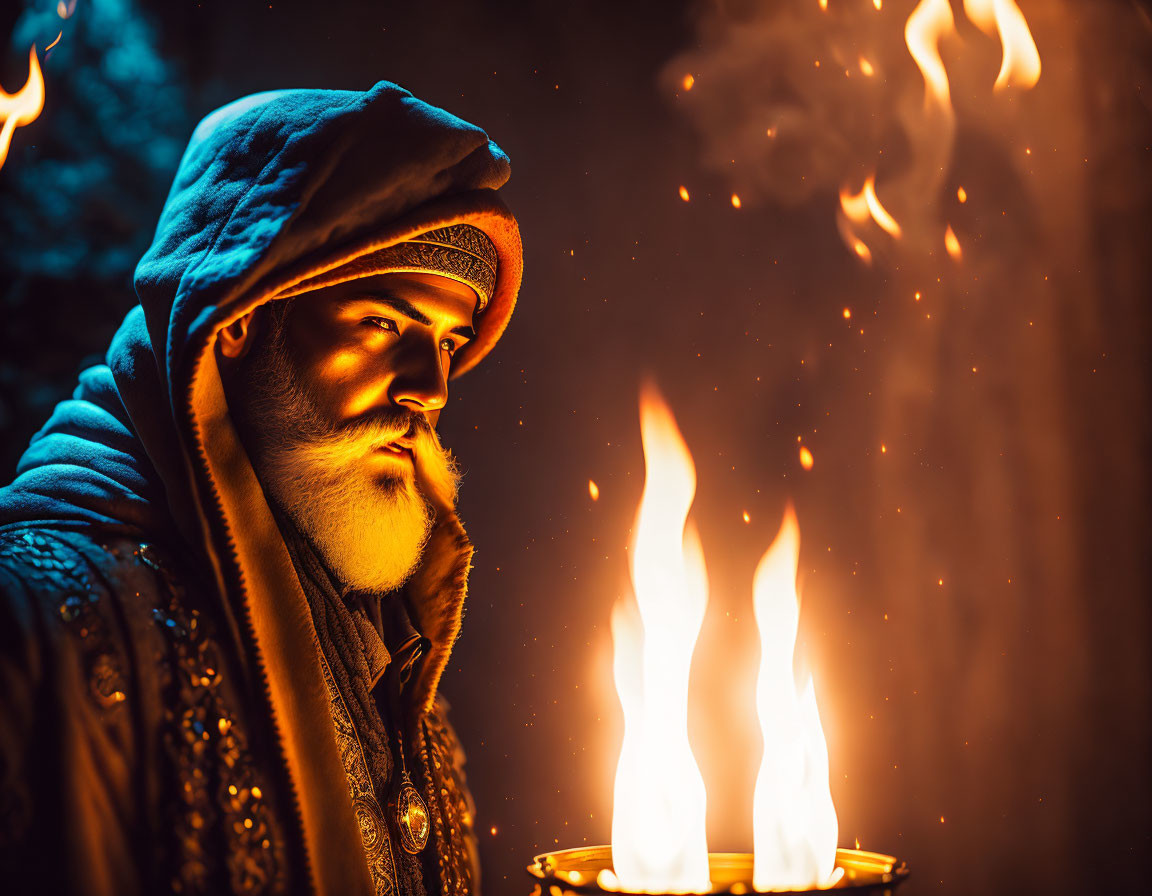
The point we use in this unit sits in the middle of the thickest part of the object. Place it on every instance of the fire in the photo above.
(952, 244)
(807, 461)
(930, 21)
(1020, 65)
(859, 208)
(684, 194)
(23, 106)
(794, 824)
(658, 836)
(593, 490)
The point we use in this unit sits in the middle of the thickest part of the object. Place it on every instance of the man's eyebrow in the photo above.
(466, 332)
(405, 307)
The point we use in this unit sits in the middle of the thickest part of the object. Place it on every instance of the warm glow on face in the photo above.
(930, 21)
(1020, 65)
(658, 838)
(794, 824)
(23, 106)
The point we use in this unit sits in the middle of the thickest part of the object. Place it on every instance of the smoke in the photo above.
(991, 373)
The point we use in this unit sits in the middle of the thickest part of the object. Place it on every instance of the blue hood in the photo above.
(272, 189)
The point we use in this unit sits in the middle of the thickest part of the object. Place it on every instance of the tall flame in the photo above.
(658, 835)
(930, 21)
(23, 106)
(794, 824)
(1020, 65)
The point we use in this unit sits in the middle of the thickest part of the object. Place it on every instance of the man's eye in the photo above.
(448, 345)
(383, 323)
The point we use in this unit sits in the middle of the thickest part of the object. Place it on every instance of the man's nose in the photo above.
(418, 380)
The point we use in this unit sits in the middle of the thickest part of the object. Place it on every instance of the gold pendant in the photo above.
(411, 817)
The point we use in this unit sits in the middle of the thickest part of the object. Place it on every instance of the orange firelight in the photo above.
(794, 825)
(659, 843)
(658, 837)
(22, 107)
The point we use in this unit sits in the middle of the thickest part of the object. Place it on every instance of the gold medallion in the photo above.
(411, 817)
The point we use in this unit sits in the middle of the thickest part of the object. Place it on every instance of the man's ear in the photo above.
(236, 339)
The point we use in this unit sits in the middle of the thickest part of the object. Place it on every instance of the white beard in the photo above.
(369, 532)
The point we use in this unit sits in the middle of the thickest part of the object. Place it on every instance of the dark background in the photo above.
(975, 611)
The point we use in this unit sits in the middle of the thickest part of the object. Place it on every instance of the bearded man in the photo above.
(231, 571)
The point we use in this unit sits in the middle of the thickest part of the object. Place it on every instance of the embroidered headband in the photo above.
(461, 252)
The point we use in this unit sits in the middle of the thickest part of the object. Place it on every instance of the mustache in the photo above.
(387, 426)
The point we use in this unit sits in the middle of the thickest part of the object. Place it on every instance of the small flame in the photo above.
(952, 244)
(859, 207)
(747, 517)
(807, 461)
(929, 22)
(688, 82)
(658, 835)
(866, 68)
(962, 195)
(735, 201)
(1020, 65)
(684, 194)
(794, 824)
(22, 107)
(51, 45)
(593, 490)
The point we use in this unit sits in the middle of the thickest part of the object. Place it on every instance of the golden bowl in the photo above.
(574, 871)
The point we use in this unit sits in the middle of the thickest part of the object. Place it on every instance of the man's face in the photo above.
(339, 403)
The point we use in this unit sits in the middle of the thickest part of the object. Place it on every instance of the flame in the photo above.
(929, 22)
(1020, 65)
(952, 244)
(866, 204)
(684, 194)
(689, 82)
(658, 836)
(735, 201)
(793, 820)
(593, 490)
(23, 106)
(807, 461)
(866, 68)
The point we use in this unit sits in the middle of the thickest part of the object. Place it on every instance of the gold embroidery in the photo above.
(369, 814)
